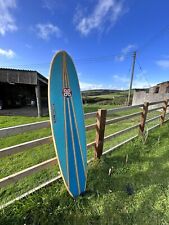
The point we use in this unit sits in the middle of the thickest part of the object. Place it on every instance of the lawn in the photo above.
(117, 98)
(9, 121)
(128, 186)
(20, 161)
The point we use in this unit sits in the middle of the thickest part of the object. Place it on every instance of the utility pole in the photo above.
(132, 76)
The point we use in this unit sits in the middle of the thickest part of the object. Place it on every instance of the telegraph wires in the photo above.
(96, 59)
(143, 74)
(153, 38)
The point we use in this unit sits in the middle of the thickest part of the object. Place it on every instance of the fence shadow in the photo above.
(113, 191)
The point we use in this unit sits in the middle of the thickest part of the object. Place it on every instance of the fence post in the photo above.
(100, 129)
(143, 117)
(164, 111)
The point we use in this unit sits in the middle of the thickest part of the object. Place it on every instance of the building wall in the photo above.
(13, 95)
(163, 88)
(141, 97)
(16, 76)
(20, 88)
(157, 93)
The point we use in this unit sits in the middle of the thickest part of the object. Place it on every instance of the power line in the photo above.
(153, 38)
(81, 60)
(143, 74)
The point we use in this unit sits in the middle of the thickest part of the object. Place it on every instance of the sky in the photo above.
(100, 35)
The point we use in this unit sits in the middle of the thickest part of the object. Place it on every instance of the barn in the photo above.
(158, 92)
(23, 89)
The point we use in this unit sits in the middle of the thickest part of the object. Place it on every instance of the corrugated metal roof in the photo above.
(33, 73)
(163, 82)
(18, 70)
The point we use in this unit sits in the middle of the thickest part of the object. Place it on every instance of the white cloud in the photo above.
(7, 53)
(128, 48)
(45, 31)
(124, 52)
(48, 4)
(120, 58)
(52, 5)
(90, 86)
(140, 84)
(163, 63)
(7, 22)
(104, 11)
(54, 51)
(139, 81)
(121, 78)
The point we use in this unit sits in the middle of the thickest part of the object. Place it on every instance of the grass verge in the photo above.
(128, 186)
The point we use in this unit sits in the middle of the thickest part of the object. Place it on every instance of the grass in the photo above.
(23, 160)
(136, 192)
(20, 161)
(9, 121)
(117, 98)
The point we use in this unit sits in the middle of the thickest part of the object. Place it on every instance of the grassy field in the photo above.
(106, 97)
(20, 161)
(36, 155)
(128, 186)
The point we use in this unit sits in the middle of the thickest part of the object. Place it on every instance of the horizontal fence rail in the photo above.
(91, 127)
(91, 144)
(155, 109)
(4, 132)
(118, 119)
(90, 115)
(120, 109)
(24, 146)
(8, 131)
(155, 103)
(120, 144)
(27, 172)
(31, 191)
(99, 128)
(111, 136)
(152, 119)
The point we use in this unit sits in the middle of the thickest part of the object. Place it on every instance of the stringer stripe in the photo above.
(77, 130)
(77, 175)
(65, 125)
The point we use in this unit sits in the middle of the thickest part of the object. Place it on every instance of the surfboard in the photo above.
(67, 123)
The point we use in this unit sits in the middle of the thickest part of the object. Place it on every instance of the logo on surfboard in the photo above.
(67, 92)
(53, 113)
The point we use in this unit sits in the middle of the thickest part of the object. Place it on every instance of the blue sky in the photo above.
(100, 35)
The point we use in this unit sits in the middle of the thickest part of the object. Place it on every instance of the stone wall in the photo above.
(141, 96)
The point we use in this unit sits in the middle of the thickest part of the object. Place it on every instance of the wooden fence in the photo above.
(101, 122)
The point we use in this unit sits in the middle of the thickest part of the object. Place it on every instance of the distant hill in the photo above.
(105, 96)
(101, 92)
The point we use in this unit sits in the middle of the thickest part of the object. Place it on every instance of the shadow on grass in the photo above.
(119, 191)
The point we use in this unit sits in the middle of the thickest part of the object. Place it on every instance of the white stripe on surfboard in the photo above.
(66, 100)
(65, 130)
(74, 154)
(77, 130)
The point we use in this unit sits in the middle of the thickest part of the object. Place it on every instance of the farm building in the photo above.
(158, 92)
(23, 89)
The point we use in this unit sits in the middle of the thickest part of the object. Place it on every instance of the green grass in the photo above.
(9, 121)
(136, 192)
(119, 98)
(20, 161)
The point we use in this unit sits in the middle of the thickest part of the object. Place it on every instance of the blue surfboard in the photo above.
(67, 123)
